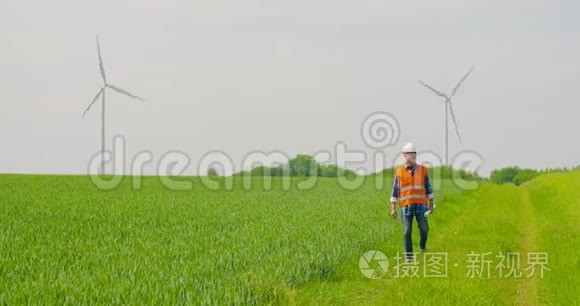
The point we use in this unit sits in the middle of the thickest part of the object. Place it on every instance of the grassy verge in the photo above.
(500, 219)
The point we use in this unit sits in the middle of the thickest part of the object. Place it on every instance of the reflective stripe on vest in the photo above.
(415, 187)
(413, 196)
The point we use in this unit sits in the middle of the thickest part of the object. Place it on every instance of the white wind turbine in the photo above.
(101, 93)
(449, 109)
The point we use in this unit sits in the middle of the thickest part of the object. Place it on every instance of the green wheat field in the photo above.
(64, 241)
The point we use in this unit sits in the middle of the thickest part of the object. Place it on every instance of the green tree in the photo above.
(504, 175)
(212, 172)
(524, 175)
(303, 165)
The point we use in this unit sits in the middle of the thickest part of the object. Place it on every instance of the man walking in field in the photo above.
(412, 189)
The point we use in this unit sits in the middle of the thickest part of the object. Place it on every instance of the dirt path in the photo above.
(527, 289)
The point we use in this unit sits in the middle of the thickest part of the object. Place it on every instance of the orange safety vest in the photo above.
(412, 187)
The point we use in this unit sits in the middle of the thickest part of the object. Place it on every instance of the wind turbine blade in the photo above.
(460, 82)
(454, 121)
(101, 67)
(124, 92)
(94, 101)
(434, 90)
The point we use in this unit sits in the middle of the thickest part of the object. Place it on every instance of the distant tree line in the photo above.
(518, 176)
(301, 165)
(305, 165)
(443, 172)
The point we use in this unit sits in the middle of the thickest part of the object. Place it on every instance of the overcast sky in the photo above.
(291, 76)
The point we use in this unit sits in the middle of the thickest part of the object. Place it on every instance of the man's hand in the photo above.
(393, 211)
(431, 207)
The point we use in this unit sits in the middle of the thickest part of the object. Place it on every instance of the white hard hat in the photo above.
(409, 147)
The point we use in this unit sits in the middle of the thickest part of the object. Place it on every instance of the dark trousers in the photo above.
(407, 218)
